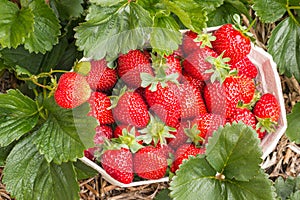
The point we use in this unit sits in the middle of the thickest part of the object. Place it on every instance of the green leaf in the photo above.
(107, 2)
(18, 115)
(63, 9)
(83, 171)
(191, 13)
(163, 195)
(27, 175)
(276, 9)
(113, 30)
(196, 179)
(284, 188)
(66, 133)
(46, 28)
(226, 150)
(4, 151)
(210, 5)
(293, 128)
(15, 24)
(284, 46)
(165, 36)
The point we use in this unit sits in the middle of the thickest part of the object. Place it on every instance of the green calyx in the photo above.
(108, 145)
(193, 134)
(266, 124)
(129, 139)
(220, 69)
(118, 92)
(243, 29)
(156, 131)
(83, 67)
(159, 65)
(250, 105)
(205, 39)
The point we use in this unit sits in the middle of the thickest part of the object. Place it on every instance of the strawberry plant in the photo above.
(55, 116)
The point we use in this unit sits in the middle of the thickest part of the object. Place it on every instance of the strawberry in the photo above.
(180, 136)
(188, 44)
(208, 123)
(118, 163)
(193, 81)
(233, 43)
(150, 162)
(72, 90)
(247, 89)
(244, 115)
(183, 152)
(245, 68)
(129, 108)
(130, 66)
(173, 65)
(122, 129)
(100, 76)
(196, 64)
(191, 101)
(267, 112)
(100, 104)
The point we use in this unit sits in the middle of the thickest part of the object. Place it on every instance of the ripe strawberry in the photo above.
(131, 109)
(188, 44)
(118, 163)
(180, 136)
(183, 152)
(196, 64)
(232, 42)
(100, 76)
(165, 103)
(245, 68)
(208, 123)
(193, 81)
(150, 162)
(130, 66)
(244, 115)
(72, 90)
(173, 66)
(267, 112)
(247, 89)
(100, 103)
(191, 101)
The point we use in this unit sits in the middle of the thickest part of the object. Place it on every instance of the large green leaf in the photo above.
(27, 175)
(284, 46)
(18, 115)
(165, 36)
(66, 133)
(275, 9)
(235, 145)
(196, 179)
(46, 28)
(293, 129)
(63, 9)
(15, 24)
(110, 31)
(210, 5)
(107, 2)
(83, 171)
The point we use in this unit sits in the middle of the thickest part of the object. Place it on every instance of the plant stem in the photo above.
(289, 8)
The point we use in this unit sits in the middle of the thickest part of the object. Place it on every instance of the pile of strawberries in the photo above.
(154, 111)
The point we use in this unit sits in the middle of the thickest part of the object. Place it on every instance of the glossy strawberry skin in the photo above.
(232, 42)
(267, 107)
(183, 152)
(118, 164)
(131, 110)
(165, 103)
(130, 66)
(196, 65)
(72, 90)
(188, 44)
(174, 66)
(245, 68)
(100, 103)
(193, 81)
(150, 162)
(100, 77)
(244, 115)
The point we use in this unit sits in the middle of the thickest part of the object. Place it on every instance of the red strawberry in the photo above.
(208, 123)
(101, 77)
(191, 100)
(131, 109)
(188, 44)
(100, 103)
(72, 90)
(118, 163)
(150, 163)
(245, 68)
(196, 64)
(244, 115)
(232, 42)
(183, 152)
(193, 81)
(180, 136)
(267, 112)
(165, 103)
(130, 66)
(247, 89)
(173, 66)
